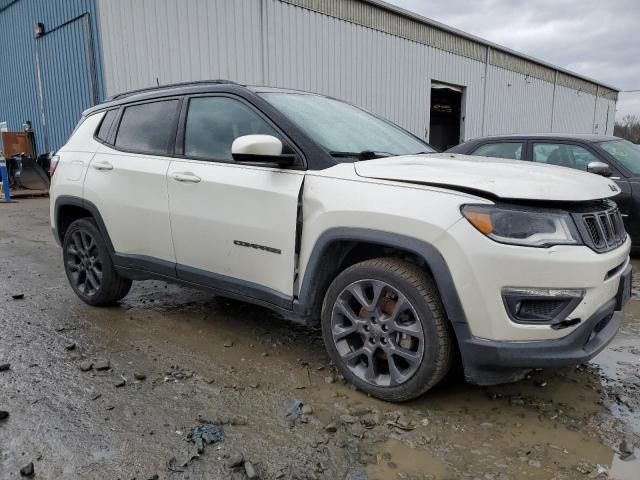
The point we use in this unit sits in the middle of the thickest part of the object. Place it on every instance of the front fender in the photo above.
(427, 252)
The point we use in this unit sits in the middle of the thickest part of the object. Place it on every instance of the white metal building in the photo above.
(442, 84)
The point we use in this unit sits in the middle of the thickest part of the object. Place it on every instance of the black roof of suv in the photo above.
(184, 88)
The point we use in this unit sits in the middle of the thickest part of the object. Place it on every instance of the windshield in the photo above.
(346, 131)
(627, 153)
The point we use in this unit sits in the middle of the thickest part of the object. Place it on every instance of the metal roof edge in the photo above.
(420, 18)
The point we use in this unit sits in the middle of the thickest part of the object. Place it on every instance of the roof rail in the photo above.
(170, 86)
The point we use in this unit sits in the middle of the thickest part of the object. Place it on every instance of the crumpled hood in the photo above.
(506, 179)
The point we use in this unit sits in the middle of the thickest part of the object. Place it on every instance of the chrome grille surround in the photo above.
(603, 229)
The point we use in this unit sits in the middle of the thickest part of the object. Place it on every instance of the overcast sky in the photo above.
(596, 38)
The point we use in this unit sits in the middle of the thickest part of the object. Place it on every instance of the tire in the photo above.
(374, 316)
(88, 265)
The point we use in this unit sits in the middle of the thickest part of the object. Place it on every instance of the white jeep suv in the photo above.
(325, 213)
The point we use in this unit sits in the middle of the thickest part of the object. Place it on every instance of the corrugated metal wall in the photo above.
(605, 114)
(378, 71)
(296, 44)
(65, 66)
(573, 111)
(517, 103)
(166, 41)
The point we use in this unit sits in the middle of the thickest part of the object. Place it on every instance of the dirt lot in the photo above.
(207, 359)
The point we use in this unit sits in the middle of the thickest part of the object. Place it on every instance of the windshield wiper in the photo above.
(363, 155)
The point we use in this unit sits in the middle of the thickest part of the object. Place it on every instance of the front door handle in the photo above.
(102, 166)
(186, 177)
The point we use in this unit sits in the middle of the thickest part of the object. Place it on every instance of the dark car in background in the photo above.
(611, 157)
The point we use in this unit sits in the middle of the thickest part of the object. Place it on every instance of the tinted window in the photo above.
(213, 123)
(106, 124)
(147, 128)
(511, 150)
(627, 153)
(342, 128)
(563, 155)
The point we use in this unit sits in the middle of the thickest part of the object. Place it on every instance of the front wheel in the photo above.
(88, 265)
(385, 329)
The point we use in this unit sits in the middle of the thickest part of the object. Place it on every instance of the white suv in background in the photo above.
(325, 213)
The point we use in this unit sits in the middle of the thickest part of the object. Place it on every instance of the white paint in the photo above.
(152, 204)
(257, 145)
(236, 202)
(508, 179)
(338, 197)
(132, 198)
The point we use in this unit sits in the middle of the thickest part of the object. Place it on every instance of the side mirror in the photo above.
(260, 149)
(599, 168)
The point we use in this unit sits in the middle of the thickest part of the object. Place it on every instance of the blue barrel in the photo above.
(5, 180)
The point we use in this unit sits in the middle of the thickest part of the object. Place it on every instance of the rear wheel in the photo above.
(88, 265)
(385, 329)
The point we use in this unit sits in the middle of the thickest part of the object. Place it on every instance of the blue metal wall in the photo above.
(49, 80)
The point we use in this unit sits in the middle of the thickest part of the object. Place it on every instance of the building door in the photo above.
(445, 118)
(66, 78)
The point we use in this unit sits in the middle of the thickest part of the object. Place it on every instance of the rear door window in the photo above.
(510, 150)
(563, 155)
(148, 127)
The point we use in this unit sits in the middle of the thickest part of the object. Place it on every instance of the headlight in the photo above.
(532, 227)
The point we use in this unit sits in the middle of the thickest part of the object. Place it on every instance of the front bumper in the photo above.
(481, 269)
(488, 362)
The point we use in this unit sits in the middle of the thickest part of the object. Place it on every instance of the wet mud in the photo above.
(179, 357)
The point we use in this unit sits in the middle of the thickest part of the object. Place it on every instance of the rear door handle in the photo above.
(102, 166)
(186, 177)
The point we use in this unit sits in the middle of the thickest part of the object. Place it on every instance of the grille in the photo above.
(604, 230)
(540, 309)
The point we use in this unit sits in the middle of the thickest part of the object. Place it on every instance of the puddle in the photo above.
(619, 363)
(529, 429)
(625, 469)
(394, 457)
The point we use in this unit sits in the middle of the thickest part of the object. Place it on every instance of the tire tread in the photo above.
(118, 286)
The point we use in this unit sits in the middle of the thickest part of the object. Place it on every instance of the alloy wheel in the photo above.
(377, 333)
(83, 263)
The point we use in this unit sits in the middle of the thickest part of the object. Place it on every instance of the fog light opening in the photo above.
(542, 306)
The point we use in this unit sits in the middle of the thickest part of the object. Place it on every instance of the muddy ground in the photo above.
(207, 359)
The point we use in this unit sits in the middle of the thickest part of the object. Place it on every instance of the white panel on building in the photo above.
(517, 103)
(605, 117)
(573, 112)
(371, 55)
(149, 42)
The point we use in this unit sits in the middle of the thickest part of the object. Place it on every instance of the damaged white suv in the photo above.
(325, 213)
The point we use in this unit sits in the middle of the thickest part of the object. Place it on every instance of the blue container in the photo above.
(4, 175)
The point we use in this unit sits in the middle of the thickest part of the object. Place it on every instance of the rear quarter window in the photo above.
(105, 126)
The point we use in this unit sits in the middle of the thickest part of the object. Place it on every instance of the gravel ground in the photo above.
(116, 392)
